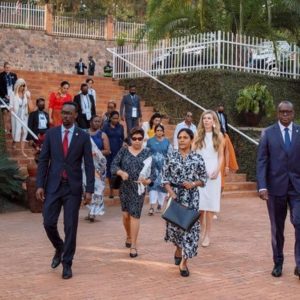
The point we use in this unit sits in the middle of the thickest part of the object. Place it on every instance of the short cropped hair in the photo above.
(72, 104)
(39, 99)
(137, 130)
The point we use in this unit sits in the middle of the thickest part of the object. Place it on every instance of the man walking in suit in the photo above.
(59, 183)
(80, 66)
(86, 107)
(38, 120)
(222, 118)
(130, 109)
(7, 83)
(278, 177)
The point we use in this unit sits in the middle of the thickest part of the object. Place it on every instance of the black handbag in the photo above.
(115, 182)
(180, 215)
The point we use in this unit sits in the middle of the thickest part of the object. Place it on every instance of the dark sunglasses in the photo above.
(137, 139)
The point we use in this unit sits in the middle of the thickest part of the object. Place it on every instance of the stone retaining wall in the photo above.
(37, 51)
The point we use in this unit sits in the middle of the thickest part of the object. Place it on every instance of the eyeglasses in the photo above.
(285, 112)
(137, 139)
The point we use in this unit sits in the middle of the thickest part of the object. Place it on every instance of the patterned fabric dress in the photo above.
(177, 170)
(159, 151)
(131, 201)
(96, 208)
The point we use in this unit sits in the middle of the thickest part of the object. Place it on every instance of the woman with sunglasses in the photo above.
(159, 147)
(20, 104)
(183, 172)
(128, 163)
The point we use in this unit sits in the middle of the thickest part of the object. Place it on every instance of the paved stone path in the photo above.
(237, 265)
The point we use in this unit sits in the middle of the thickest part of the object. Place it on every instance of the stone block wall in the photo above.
(37, 51)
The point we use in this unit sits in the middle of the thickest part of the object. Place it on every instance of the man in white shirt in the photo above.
(91, 91)
(187, 123)
(86, 107)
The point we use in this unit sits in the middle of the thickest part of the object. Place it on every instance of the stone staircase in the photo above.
(40, 84)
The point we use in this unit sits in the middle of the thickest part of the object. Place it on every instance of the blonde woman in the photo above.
(20, 104)
(210, 144)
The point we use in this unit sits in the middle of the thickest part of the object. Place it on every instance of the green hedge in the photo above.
(209, 88)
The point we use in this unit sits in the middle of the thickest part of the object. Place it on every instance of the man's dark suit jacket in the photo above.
(33, 123)
(81, 119)
(226, 123)
(3, 84)
(275, 165)
(77, 67)
(52, 162)
(127, 104)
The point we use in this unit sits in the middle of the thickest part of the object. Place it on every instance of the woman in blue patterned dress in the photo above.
(183, 172)
(115, 132)
(159, 147)
(100, 148)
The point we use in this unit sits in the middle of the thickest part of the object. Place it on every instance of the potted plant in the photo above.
(253, 102)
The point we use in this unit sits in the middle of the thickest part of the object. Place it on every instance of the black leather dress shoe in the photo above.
(297, 272)
(277, 270)
(184, 272)
(67, 272)
(56, 260)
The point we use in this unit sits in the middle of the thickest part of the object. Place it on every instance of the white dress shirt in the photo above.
(282, 129)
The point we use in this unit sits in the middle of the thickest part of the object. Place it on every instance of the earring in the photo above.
(214, 125)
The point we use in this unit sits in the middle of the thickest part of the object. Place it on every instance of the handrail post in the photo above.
(48, 19)
(219, 49)
(109, 34)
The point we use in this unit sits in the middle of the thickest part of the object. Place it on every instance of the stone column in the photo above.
(109, 28)
(48, 18)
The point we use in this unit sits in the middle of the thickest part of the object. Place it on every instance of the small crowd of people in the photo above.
(191, 171)
(80, 67)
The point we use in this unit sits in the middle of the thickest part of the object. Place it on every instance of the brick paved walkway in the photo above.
(237, 265)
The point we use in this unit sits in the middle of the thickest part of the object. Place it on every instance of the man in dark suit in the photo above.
(80, 66)
(278, 178)
(92, 66)
(86, 107)
(38, 120)
(222, 118)
(130, 109)
(59, 183)
(7, 83)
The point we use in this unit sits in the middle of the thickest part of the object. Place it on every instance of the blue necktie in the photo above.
(287, 140)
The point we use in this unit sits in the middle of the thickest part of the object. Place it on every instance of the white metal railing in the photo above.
(4, 105)
(127, 30)
(147, 74)
(214, 50)
(70, 26)
(22, 15)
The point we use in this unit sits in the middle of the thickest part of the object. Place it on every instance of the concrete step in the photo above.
(240, 186)
(239, 194)
(235, 177)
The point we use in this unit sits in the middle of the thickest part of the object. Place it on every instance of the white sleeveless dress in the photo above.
(210, 195)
